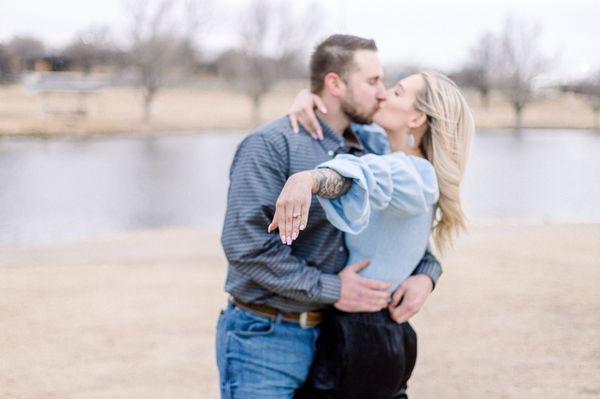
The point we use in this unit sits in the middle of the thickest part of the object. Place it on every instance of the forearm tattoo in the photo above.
(329, 184)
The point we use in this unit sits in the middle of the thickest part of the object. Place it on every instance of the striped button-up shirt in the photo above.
(303, 276)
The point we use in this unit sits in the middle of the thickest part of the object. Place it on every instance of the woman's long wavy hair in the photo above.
(446, 145)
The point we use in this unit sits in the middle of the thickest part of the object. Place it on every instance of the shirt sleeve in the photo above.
(258, 173)
(429, 266)
(405, 184)
(373, 138)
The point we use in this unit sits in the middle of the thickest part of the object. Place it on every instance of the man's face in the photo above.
(364, 87)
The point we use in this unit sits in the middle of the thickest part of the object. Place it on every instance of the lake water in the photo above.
(68, 188)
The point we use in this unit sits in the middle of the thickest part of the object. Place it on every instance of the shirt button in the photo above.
(341, 249)
(330, 153)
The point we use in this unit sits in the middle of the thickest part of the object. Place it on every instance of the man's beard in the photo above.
(349, 109)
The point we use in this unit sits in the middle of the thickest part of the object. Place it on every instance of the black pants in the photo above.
(361, 356)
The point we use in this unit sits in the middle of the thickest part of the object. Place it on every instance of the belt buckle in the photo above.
(303, 320)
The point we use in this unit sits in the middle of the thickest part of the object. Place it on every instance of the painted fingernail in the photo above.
(302, 227)
(282, 239)
(289, 241)
(294, 236)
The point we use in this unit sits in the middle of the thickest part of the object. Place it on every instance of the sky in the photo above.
(428, 33)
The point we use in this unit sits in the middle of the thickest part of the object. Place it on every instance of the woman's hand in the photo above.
(303, 111)
(292, 206)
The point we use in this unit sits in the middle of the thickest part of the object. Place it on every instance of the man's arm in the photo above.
(258, 173)
(429, 266)
(329, 184)
(409, 298)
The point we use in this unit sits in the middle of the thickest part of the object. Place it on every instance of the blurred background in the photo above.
(118, 122)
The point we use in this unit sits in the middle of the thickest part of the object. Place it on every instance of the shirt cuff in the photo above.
(431, 269)
(330, 288)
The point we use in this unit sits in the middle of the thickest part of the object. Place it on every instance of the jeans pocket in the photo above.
(248, 324)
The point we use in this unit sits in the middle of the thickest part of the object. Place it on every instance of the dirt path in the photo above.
(515, 316)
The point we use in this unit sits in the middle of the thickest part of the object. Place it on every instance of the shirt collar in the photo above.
(333, 140)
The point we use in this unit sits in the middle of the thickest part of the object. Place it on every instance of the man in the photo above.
(266, 336)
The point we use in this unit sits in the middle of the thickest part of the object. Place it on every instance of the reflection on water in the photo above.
(544, 176)
(60, 189)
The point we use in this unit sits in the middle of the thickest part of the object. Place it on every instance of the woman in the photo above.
(389, 211)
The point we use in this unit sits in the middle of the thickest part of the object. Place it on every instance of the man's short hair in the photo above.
(335, 54)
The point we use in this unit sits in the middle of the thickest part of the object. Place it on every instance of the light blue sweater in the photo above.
(387, 213)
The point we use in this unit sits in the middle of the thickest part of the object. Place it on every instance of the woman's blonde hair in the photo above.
(446, 145)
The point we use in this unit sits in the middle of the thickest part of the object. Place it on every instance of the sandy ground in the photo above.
(118, 110)
(516, 315)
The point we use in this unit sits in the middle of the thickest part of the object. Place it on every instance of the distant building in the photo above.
(50, 64)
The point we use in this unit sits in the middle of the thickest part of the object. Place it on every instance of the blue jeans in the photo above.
(261, 358)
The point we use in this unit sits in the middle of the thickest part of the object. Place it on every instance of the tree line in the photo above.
(164, 40)
(164, 43)
(511, 62)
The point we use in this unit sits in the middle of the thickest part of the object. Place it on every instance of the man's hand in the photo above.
(411, 295)
(359, 294)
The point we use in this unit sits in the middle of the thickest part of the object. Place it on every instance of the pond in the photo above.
(70, 188)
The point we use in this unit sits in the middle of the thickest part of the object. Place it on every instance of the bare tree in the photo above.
(594, 101)
(23, 50)
(589, 88)
(253, 75)
(91, 47)
(5, 67)
(592, 94)
(520, 63)
(273, 38)
(482, 61)
(163, 44)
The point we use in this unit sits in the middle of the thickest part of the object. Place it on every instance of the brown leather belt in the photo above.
(304, 319)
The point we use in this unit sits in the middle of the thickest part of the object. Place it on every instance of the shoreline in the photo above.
(473, 225)
(502, 131)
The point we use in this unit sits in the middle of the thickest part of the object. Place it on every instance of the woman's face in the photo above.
(397, 112)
